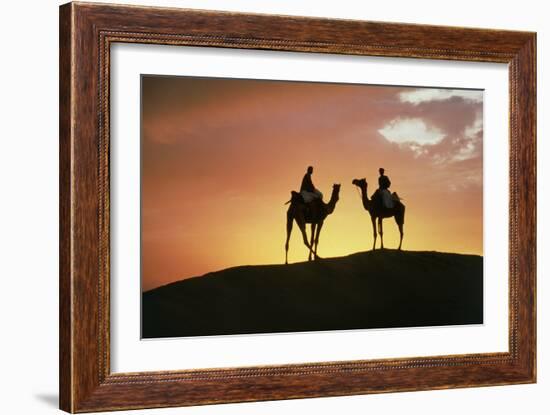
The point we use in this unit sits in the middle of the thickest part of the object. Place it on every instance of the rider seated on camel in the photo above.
(384, 184)
(307, 190)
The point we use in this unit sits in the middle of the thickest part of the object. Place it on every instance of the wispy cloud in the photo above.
(411, 132)
(444, 126)
(470, 141)
(417, 96)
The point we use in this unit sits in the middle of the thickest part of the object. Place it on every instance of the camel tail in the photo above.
(396, 196)
(293, 197)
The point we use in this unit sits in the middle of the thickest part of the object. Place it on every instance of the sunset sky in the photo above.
(220, 157)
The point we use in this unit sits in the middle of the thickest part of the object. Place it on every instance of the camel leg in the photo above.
(373, 219)
(381, 232)
(302, 226)
(401, 223)
(311, 244)
(400, 226)
(300, 221)
(319, 226)
(289, 220)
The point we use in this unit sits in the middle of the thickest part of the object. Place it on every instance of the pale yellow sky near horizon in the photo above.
(220, 157)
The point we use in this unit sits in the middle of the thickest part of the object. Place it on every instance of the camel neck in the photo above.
(332, 202)
(365, 197)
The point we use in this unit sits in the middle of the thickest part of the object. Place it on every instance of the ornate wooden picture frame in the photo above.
(87, 32)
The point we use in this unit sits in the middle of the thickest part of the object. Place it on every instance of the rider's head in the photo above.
(381, 171)
(310, 170)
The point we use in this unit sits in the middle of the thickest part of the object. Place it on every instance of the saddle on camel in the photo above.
(382, 197)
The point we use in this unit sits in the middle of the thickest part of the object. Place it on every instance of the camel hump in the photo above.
(396, 196)
(296, 197)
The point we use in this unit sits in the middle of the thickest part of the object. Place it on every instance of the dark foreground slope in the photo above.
(364, 290)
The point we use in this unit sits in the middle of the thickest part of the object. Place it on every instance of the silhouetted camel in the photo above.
(314, 213)
(378, 212)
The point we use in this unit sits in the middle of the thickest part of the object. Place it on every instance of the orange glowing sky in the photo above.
(220, 157)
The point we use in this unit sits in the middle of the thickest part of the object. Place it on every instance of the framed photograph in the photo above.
(258, 207)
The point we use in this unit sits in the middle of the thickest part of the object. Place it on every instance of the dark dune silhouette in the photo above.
(376, 289)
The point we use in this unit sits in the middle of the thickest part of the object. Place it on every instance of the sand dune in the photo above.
(375, 289)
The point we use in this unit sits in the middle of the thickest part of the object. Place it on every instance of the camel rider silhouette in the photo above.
(307, 189)
(384, 184)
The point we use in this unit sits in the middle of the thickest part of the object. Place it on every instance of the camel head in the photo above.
(333, 198)
(361, 183)
(335, 191)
